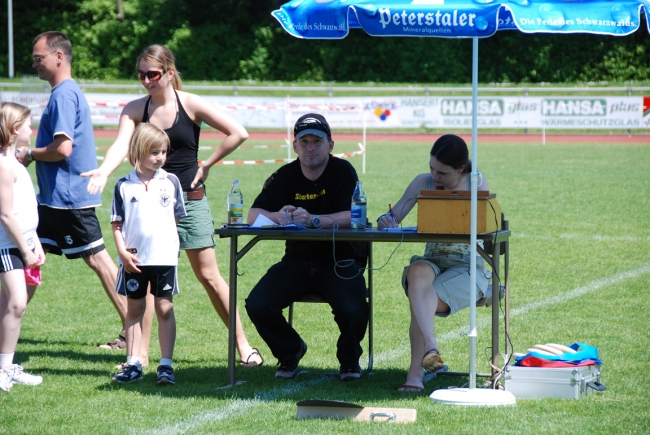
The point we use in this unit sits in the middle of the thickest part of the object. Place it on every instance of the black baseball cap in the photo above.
(312, 123)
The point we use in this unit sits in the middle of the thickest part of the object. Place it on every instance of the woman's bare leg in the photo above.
(204, 265)
(423, 304)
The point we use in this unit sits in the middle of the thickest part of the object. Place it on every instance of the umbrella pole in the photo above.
(473, 199)
(473, 396)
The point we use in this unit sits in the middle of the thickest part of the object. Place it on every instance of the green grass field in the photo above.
(579, 215)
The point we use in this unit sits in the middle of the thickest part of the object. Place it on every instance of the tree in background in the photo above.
(238, 39)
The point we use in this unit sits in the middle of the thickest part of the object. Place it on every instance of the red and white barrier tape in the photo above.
(259, 162)
(326, 107)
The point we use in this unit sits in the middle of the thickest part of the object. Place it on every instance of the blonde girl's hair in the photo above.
(162, 57)
(12, 116)
(145, 138)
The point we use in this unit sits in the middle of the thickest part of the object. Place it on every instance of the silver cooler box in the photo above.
(565, 383)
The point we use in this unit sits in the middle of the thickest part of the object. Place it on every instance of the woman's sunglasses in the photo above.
(153, 76)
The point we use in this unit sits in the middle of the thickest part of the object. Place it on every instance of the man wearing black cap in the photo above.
(314, 191)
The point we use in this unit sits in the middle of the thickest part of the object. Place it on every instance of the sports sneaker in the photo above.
(129, 373)
(166, 376)
(5, 381)
(350, 373)
(289, 368)
(18, 376)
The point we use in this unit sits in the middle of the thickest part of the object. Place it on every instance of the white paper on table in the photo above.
(264, 222)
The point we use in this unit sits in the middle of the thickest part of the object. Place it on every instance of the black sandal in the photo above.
(249, 363)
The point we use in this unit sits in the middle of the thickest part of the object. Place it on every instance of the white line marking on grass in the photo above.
(231, 409)
(595, 285)
(461, 332)
(594, 237)
(234, 408)
(239, 406)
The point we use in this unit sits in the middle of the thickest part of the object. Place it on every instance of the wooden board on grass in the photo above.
(341, 410)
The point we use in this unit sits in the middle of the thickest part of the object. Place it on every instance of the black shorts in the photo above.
(73, 232)
(11, 259)
(163, 280)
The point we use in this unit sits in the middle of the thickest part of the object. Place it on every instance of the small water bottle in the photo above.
(235, 204)
(358, 210)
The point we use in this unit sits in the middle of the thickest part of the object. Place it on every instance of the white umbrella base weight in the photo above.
(473, 397)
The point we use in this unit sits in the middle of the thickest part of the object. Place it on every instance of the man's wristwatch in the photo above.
(28, 155)
(315, 221)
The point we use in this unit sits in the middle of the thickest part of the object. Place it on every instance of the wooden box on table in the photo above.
(448, 212)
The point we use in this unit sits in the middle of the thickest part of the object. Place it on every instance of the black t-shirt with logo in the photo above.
(330, 193)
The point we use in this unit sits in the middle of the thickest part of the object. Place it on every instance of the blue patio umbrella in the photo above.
(333, 19)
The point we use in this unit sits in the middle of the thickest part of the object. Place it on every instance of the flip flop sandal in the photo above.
(431, 360)
(249, 363)
(406, 388)
(118, 344)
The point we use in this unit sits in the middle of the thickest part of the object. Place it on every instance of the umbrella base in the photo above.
(473, 397)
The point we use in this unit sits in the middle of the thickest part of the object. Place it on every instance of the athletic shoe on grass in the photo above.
(5, 381)
(130, 373)
(289, 368)
(18, 376)
(350, 373)
(166, 376)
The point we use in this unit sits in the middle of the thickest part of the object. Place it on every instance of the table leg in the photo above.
(232, 318)
(506, 272)
(496, 290)
(370, 309)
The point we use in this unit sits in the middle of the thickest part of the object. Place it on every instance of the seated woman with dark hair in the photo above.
(438, 281)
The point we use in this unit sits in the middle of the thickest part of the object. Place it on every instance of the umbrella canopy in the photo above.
(333, 19)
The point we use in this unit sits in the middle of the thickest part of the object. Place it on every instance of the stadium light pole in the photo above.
(10, 26)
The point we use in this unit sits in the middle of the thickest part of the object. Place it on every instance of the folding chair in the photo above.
(315, 298)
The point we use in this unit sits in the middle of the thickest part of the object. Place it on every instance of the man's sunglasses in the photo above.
(153, 76)
(38, 59)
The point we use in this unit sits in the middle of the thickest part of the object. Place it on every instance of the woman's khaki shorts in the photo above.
(196, 230)
(452, 279)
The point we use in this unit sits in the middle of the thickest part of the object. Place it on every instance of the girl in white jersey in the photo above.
(147, 205)
(19, 244)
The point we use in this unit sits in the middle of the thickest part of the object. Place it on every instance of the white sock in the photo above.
(6, 359)
(166, 362)
(133, 360)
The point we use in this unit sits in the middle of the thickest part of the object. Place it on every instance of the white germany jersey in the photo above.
(149, 213)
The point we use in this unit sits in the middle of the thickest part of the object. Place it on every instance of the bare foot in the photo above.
(406, 388)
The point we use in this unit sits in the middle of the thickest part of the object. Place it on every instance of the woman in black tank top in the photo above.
(180, 115)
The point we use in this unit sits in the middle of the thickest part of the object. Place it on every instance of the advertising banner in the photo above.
(555, 113)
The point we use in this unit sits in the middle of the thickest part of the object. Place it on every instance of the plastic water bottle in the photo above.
(358, 209)
(235, 204)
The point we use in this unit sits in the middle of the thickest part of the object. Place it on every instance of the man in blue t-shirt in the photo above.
(65, 147)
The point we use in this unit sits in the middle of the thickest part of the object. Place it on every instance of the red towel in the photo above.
(533, 361)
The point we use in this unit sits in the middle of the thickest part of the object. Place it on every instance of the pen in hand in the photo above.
(390, 213)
